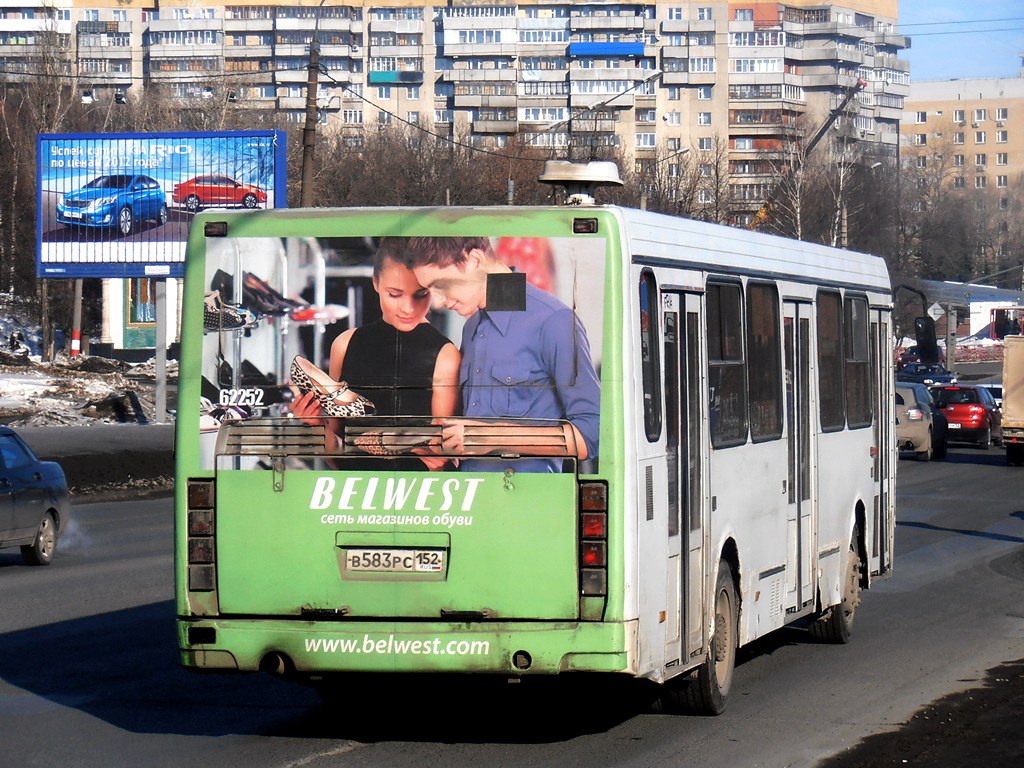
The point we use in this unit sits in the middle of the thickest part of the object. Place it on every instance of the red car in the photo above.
(216, 190)
(972, 414)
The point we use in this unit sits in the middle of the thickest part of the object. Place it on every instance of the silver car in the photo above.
(919, 426)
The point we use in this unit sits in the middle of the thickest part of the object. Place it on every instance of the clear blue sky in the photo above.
(957, 38)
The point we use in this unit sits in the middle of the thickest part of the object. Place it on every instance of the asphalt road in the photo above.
(89, 674)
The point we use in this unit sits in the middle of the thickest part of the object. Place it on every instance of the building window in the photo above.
(958, 116)
(704, 93)
(674, 92)
(1002, 158)
(959, 182)
(980, 182)
(1001, 137)
(921, 117)
(741, 143)
(703, 118)
(704, 143)
(981, 159)
(1002, 181)
(979, 137)
(980, 115)
(704, 14)
(677, 13)
(645, 140)
(673, 118)
(674, 145)
(958, 137)
(1004, 204)
(744, 14)
(705, 196)
(922, 161)
(702, 64)
(384, 92)
(1002, 113)
(958, 161)
(920, 139)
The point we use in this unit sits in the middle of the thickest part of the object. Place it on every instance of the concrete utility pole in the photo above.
(312, 116)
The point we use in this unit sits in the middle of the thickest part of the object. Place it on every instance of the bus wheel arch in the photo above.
(835, 624)
(706, 689)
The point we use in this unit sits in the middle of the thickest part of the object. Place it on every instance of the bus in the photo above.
(694, 447)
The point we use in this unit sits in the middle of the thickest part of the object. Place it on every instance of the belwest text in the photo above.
(368, 494)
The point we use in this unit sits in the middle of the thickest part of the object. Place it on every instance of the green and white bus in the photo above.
(733, 392)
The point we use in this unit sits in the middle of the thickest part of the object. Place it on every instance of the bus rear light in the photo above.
(201, 495)
(593, 553)
(200, 578)
(594, 525)
(200, 522)
(200, 549)
(593, 497)
(593, 539)
(594, 582)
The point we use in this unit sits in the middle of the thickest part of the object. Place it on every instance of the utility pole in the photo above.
(312, 116)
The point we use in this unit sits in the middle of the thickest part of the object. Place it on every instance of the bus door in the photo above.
(686, 526)
(884, 526)
(801, 510)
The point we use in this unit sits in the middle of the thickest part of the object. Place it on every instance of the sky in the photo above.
(961, 39)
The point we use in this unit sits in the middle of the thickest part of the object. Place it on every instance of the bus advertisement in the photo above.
(506, 442)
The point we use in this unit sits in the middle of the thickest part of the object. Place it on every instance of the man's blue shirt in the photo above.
(533, 364)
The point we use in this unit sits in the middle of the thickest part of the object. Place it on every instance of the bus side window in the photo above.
(858, 371)
(830, 362)
(649, 355)
(764, 348)
(727, 367)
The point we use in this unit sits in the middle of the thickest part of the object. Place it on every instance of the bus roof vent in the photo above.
(580, 179)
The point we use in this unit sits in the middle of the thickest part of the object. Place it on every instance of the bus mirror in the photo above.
(927, 346)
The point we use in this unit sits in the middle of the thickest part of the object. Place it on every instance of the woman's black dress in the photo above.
(395, 370)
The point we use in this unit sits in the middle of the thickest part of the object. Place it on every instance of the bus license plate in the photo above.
(396, 560)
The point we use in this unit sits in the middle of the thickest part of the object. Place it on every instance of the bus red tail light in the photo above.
(593, 553)
(593, 538)
(202, 552)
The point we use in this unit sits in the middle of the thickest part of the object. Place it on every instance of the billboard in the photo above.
(119, 205)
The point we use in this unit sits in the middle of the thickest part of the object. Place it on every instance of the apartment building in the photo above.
(973, 129)
(733, 79)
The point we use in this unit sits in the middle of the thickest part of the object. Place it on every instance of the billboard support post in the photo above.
(159, 371)
(76, 322)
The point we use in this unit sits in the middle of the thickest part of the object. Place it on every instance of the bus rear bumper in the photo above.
(306, 648)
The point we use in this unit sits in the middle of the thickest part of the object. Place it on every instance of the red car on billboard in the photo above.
(216, 190)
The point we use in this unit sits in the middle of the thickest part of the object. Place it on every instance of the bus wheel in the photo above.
(707, 692)
(836, 624)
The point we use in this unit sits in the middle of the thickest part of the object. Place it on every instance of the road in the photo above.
(89, 675)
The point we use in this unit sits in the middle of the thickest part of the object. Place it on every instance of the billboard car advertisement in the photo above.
(120, 205)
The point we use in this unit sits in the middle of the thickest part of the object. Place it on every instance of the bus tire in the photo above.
(707, 692)
(836, 624)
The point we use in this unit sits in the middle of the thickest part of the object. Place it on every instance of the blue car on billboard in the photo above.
(121, 201)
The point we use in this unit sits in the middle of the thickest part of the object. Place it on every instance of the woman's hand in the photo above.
(307, 408)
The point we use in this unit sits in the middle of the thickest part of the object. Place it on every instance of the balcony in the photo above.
(495, 126)
(606, 50)
(193, 25)
(394, 78)
(491, 50)
(630, 22)
(476, 100)
(402, 26)
(459, 23)
(463, 75)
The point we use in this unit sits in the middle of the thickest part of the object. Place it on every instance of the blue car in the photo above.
(119, 201)
(34, 500)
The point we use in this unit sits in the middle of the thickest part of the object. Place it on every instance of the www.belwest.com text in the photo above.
(392, 645)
